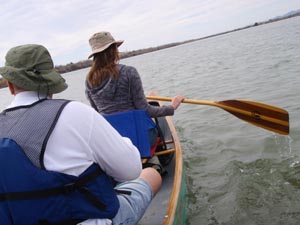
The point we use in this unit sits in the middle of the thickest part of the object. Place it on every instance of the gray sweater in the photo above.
(125, 93)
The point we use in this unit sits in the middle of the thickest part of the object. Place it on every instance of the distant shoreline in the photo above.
(87, 63)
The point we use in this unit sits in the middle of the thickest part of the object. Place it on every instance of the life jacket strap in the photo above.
(66, 222)
(65, 189)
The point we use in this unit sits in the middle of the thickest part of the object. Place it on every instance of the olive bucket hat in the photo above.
(101, 41)
(30, 67)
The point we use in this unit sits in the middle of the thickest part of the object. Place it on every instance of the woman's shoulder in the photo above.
(125, 69)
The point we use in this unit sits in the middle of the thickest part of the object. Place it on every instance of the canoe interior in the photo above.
(156, 213)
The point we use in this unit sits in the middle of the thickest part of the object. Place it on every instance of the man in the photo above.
(71, 154)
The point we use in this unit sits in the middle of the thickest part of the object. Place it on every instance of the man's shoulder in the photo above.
(76, 105)
(71, 106)
(76, 112)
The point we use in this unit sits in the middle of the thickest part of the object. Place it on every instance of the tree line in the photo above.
(88, 63)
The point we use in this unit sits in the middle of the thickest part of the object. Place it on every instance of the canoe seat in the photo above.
(136, 125)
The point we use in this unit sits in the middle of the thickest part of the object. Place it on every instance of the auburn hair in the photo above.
(104, 66)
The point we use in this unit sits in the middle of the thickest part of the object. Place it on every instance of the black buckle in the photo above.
(69, 188)
(43, 222)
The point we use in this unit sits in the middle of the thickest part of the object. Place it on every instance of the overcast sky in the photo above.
(64, 26)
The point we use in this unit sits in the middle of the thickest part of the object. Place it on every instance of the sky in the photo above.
(65, 26)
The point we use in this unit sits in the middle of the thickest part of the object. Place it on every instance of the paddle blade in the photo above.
(262, 115)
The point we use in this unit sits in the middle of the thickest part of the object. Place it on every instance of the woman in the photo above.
(112, 87)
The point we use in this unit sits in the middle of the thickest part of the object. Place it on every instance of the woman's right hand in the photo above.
(176, 101)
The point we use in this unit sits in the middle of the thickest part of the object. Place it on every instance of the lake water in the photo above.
(237, 173)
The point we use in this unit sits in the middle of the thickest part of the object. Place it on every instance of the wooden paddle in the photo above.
(262, 115)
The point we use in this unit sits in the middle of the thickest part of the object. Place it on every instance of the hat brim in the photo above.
(49, 82)
(105, 47)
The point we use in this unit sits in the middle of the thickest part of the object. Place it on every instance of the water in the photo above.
(237, 173)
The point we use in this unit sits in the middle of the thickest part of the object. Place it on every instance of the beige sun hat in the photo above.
(101, 41)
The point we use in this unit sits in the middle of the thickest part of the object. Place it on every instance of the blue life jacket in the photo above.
(31, 195)
(136, 125)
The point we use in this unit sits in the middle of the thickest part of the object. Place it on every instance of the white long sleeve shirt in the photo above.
(80, 138)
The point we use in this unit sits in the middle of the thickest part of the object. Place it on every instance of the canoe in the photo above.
(168, 207)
